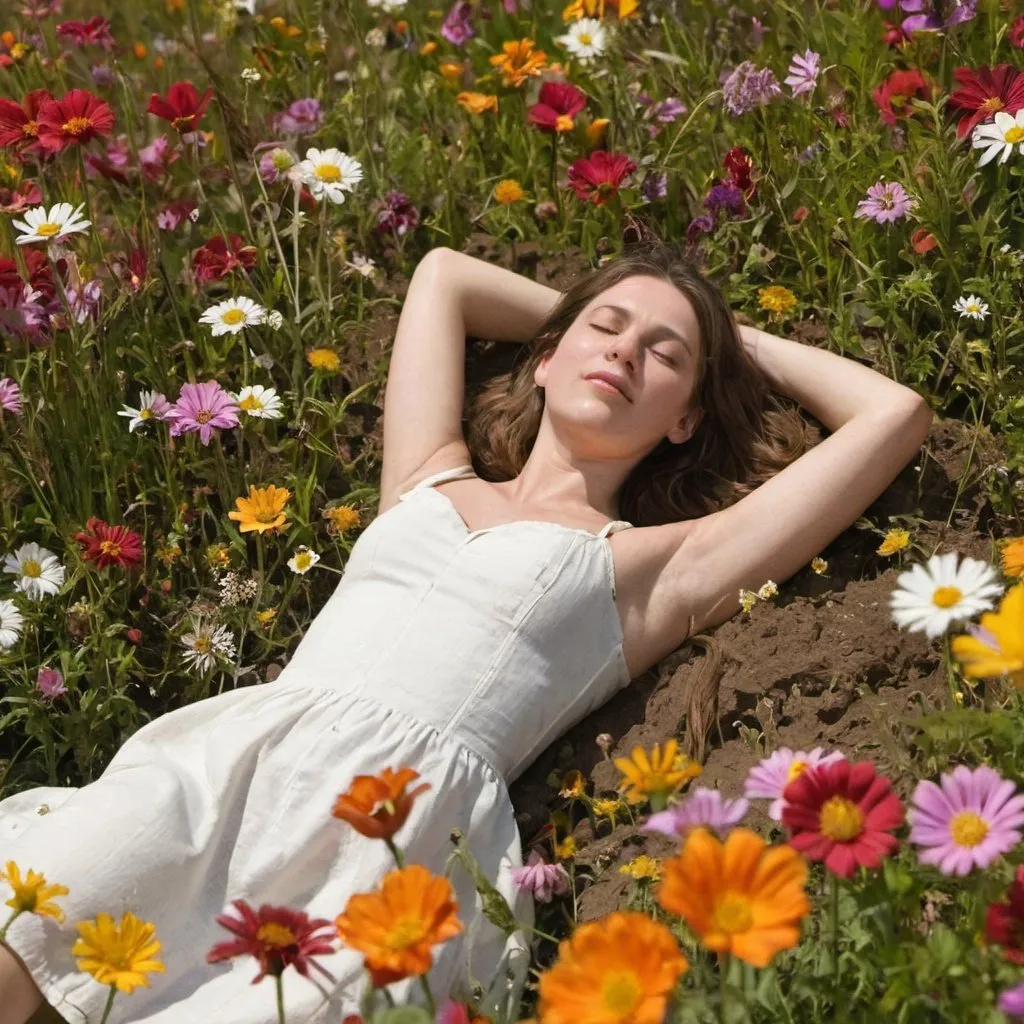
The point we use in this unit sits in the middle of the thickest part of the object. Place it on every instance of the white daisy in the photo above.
(38, 570)
(1003, 135)
(586, 38)
(205, 644)
(933, 596)
(152, 406)
(61, 221)
(260, 402)
(971, 306)
(303, 560)
(363, 265)
(231, 315)
(329, 173)
(11, 621)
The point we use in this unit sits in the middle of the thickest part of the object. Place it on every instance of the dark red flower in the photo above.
(19, 124)
(1016, 33)
(182, 107)
(1004, 922)
(842, 813)
(217, 258)
(278, 937)
(740, 167)
(94, 32)
(983, 92)
(598, 177)
(39, 273)
(14, 200)
(558, 105)
(893, 35)
(894, 94)
(109, 545)
(75, 119)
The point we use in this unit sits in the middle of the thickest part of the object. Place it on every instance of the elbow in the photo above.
(917, 416)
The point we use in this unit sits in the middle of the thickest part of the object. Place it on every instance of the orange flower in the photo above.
(396, 927)
(596, 131)
(519, 61)
(618, 970)
(452, 70)
(477, 102)
(738, 896)
(377, 805)
(1012, 556)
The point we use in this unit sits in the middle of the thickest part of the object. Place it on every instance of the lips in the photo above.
(616, 381)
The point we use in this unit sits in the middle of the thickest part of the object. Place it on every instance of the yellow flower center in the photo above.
(733, 914)
(75, 126)
(31, 568)
(202, 644)
(841, 819)
(302, 561)
(992, 104)
(203, 416)
(1014, 134)
(277, 935)
(968, 829)
(48, 229)
(232, 317)
(109, 547)
(946, 597)
(621, 993)
(328, 172)
(249, 403)
(585, 38)
(145, 414)
(796, 769)
(405, 932)
(564, 123)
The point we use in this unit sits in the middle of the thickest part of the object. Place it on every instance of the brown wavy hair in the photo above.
(746, 435)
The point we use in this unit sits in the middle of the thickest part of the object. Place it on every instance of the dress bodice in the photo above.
(501, 638)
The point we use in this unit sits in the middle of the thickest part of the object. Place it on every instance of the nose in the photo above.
(623, 348)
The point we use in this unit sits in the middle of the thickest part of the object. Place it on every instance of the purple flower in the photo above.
(544, 881)
(1011, 1002)
(50, 683)
(704, 808)
(203, 407)
(303, 117)
(926, 15)
(973, 818)
(103, 74)
(456, 27)
(23, 315)
(10, 396)
(757, 31)
(275, 164)
(85, 302)
(654, 186)
(745, 88)
(803, 72)
(666, 111)
(396, 213)
(770, 778)
(152, 157)
(886, 201)
(702, 225)
(727, 196)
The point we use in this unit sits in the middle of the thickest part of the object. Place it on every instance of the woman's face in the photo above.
(643, 331)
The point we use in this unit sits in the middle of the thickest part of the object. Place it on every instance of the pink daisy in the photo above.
(703, 808)
(967, 822)
(203, 407)
(770, 778)
(886, 202)
(10, 396)
(50, 683)
(542, 881)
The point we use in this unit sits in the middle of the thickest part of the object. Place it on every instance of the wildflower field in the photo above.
(209, 212)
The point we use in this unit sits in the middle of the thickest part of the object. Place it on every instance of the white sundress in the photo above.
(460, 653)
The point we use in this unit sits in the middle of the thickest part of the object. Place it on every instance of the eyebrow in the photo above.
(662, 329)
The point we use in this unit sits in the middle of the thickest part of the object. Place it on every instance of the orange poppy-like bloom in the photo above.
(377, 805)
(740, 896)
(396, 928)
(618, 970)
(519, 61)
(477, 102)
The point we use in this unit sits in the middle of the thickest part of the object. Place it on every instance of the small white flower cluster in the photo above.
(250, 75)
(235, 589)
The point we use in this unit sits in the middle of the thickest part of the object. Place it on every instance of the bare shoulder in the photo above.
(448, 456)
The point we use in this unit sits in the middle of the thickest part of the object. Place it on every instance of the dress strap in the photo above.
(615, 524)
(458, 473)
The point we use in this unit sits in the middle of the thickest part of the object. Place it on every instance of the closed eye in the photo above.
(603, 330)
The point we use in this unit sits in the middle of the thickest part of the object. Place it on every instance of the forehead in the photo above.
(653, 301)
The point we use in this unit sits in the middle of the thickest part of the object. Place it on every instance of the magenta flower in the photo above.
(704, 808)
(886, 201)
(771, 777)
(973, 818)
(745, 87)
(1011, 1002)
(544, 881)
(803, 72)
(50, 683)
(203, 407)
(456, 27)
(303, 117)
(10, 396)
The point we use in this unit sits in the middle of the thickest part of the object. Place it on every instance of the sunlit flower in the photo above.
(585, 40)
(38, 570)
(259, 402)
(303, 560)
(206, 643)
(508, 191)
(203, 407)
(109, 545)
(599, 176)
(232, 315)
(895, 540)
(995, 647)
(262, 510)
(378, 805)
(31, 893)
(53, 226)
(972, 306)
(1011, 552)
(769, 779)
(152, 406)
(982, 91)
(620, 969)
(998, 139)
(477, 102)
(329, 173)
(642, 869)
(73, 120)
(654, 777)
(556, 108)
(932, 597)
(519, 61)
(340, 519)
(118, 954)
(543, 881)
(776, 299)
(566, 849)
(703, 808)
(324, 359)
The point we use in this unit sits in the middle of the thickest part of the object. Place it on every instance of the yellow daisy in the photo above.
(32, 895)
(119, 955)
(262, 510)
(657, 776)
(325, 359)
(519, 61)
(895, 540)
(340, 518)
(642, 869)
(508, 191)
(776, 299)
(1012, 557)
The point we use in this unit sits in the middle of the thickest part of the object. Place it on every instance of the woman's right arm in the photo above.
(450, 295)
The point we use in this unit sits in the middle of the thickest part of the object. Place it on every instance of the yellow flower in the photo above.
(452, 70)
(642, 868)
(218, 556)
(519, 61)
(657, 776)
(608, 809)
(285, 30)
(31, 894)
(508, 191)
(767, 590)
(566, 849)
(895, 540)
(1001, 652)
(265, 617)
(819, 565)
(596, 131)
(340, 518)
(1012, 556)
(325, 359)
(596, 9)
(262, 510)
(168, 553)
(477, 102)
(428, 48)
(574, 785)
(777, 299)
(747, 599)
(120, 955)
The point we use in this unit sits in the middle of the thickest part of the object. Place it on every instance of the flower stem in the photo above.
(8, 923)
(395, 851)
(110, 1004)
(835, 935)
(430, 995)
(723, 972)
(280, 998)
(297, 192)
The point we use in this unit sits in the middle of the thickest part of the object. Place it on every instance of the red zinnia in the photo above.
(558, 105)
(77, 118)
(19, 125)
(94, 32)
(893, 95)
(39, 277)
(277, 937)
(109, 545)
(983, 92)
(217, 258)
(597, 177)
(841, 814)
(1004, 922)
(739, 165)
(182, 107)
